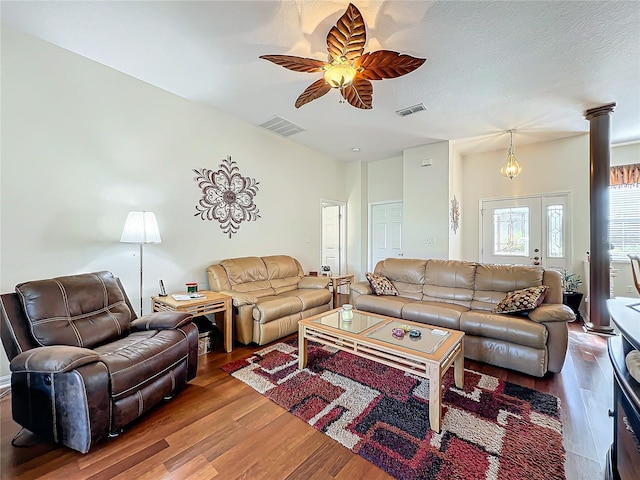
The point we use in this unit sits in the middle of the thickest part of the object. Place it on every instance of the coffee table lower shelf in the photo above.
(387, 354)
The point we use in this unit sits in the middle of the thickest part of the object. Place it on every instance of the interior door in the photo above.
(331, 237)
(386, 232)
(511, 231)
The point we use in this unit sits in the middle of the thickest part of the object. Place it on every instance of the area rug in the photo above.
(491, 429)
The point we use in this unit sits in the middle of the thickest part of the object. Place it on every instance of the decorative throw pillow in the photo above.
(522, 300)
(380, 284)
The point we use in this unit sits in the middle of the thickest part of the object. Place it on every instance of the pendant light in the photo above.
(511, 168)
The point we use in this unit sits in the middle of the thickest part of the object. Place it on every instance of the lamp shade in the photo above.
(141, 227)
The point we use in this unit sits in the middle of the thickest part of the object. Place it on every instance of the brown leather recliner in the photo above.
(82, 364)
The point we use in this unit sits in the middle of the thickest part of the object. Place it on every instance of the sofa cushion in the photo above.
(380, 284)
(245, 270)
(493, 281)
(314, 282)
(440, 314)
(450, 281)
(284, 272)
(384, 304)
(248, 275)
(521, 300)
(78, 310)
(274, 307)
(519, 330)
(406, 274)
(310, 298)
(282, 266)
(138, 359)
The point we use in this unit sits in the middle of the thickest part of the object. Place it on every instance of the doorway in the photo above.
(531, 230)
(333, 251)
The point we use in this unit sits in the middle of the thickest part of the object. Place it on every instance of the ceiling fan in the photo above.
(348, 68)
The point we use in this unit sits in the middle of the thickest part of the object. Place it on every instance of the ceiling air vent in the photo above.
(409, 110)
(281, 126)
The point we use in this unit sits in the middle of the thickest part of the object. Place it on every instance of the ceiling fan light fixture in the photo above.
(339, 75)
(511, 167)
(349, 69)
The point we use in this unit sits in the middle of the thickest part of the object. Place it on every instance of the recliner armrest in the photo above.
(552, 313)
(161, 321)
(53, 359)
(314, 282)
(363, 288)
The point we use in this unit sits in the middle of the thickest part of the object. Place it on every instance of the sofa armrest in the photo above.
(240, 299)
(552, 313)
(161, 321)
(53, 359)
(362, 288)
(314, 282)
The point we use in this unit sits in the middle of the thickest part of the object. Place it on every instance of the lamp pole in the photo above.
(140, 244)
(141, 228)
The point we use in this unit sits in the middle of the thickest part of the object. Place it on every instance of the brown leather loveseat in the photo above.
(270, 294)
(463, 295)
(82, 365)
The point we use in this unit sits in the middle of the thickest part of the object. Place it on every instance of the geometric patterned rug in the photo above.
(491, 429)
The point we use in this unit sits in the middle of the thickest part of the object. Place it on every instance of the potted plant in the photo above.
(570, 296)
(570, 282)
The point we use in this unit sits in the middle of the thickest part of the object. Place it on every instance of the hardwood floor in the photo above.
(220, 428)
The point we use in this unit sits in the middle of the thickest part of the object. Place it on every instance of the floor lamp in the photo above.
(141, 228)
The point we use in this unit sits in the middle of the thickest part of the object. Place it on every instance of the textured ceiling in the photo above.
(535, 66)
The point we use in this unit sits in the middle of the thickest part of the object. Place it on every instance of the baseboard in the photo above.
(5, 382)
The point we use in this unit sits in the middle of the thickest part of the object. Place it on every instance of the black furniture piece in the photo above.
(82, 365)
(573, 300)
(623, 461)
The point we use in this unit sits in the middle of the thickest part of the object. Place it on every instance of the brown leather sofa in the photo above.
(270, 294)
(82, 365)
(462, 295)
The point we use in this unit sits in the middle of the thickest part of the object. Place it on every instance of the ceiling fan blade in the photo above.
(348, 37)
(297, 64)
(313, 91)
(359, 93)
(387, 64)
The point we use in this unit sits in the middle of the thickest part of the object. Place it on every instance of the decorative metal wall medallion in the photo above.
(455, 214)
(227, 196)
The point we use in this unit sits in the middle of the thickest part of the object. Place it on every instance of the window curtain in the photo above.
(624, 175)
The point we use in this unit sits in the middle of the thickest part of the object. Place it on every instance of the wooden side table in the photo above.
(337, 281)
(212, 302)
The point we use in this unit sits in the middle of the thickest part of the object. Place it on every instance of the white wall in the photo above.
(83, 144)
(426, 201)
(356, 178)
(557, 166)
(456, 172)
(625, 154)
(385, 180)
